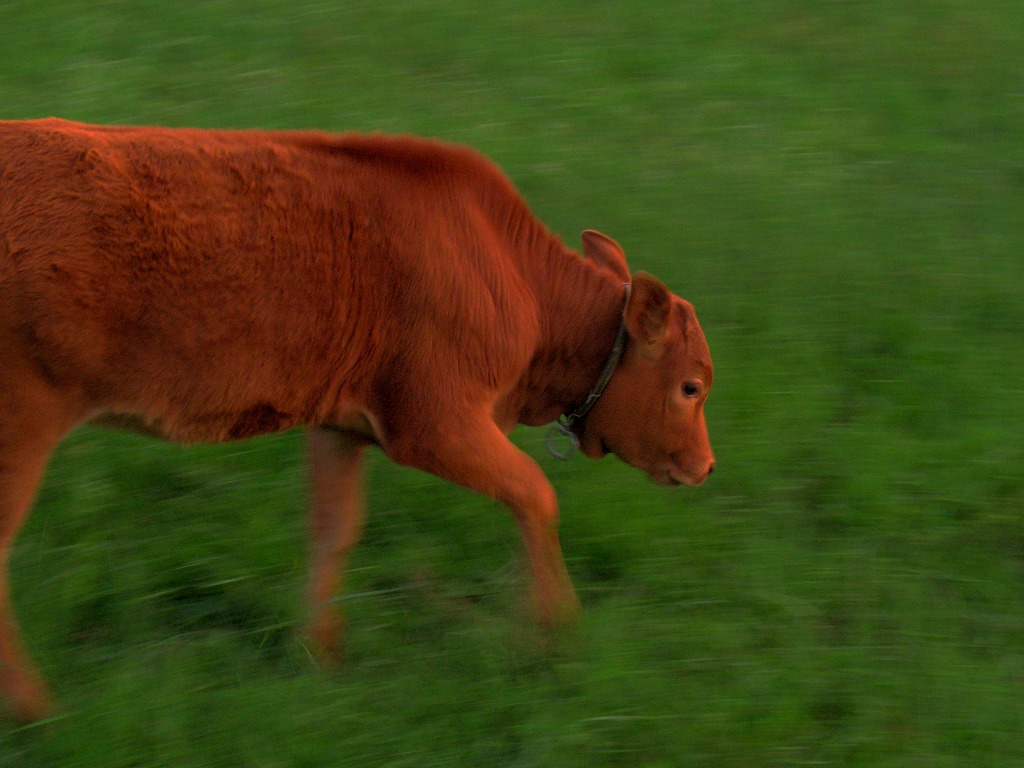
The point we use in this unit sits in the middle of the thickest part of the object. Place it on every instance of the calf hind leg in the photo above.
(29, 431)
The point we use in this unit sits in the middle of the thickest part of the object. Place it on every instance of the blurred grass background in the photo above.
(839, 189)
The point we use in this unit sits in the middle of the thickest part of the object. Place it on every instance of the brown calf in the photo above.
(204, 286)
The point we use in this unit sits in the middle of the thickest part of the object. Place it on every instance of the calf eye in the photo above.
(692, 387)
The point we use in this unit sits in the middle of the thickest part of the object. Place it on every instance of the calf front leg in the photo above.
(336, 522)
(480, 457)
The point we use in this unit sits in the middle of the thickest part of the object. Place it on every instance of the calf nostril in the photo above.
(711, 467)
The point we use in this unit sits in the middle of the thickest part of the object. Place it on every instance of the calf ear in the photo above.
(604, 251)
(647, 313)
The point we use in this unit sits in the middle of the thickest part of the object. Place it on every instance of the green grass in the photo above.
(836, 186)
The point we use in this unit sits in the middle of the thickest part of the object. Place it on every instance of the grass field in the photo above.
(839, 189)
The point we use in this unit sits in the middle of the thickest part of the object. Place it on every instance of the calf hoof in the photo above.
(557, 612)
(27, 701)
(327, 642)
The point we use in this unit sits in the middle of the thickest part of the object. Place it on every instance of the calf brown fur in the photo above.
(204, 286)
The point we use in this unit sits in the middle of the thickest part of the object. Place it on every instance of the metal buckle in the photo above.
(560, 431)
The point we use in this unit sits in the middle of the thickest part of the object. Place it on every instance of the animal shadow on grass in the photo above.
(490, 621)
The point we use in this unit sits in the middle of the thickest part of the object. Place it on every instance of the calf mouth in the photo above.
(665, 476)
(674, 477)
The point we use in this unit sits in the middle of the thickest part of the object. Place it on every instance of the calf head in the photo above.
(652, 413)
